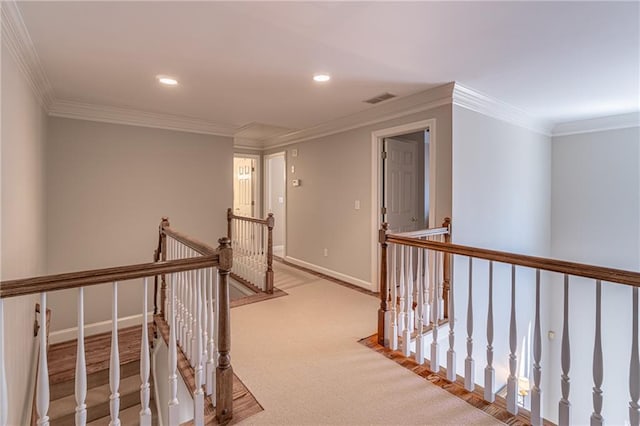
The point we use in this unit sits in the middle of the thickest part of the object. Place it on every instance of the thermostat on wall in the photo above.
(296, 182)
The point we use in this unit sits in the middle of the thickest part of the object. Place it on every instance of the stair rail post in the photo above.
(382, 238)
(269, 275)
(163, 257)
(224, 371)
(229, 219)
(4, 403)
(446, 271)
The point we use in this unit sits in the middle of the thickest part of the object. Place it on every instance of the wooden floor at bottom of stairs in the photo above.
(497, 410)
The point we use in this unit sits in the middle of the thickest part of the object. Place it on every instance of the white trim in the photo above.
(600, 124)
(400, 107)
(133, 117)
(97, 328)
(16, 38)
(344, 277)
(376, 182)
(267, 174)
(484, 104)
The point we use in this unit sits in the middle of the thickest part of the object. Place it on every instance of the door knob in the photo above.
(413, 219)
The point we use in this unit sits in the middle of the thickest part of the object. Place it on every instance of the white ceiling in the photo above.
(240, 63)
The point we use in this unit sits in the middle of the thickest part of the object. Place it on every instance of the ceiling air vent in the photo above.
(380, 98)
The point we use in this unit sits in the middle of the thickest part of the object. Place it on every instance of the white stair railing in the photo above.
(252, 240)
(189, 273)
(404, 275)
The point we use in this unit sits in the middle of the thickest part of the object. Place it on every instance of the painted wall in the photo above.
(501, 200)
(596, 219)
(335, 171)
(107, 188)
(22, 224)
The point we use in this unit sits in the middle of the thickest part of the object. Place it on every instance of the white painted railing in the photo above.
(192, 304)
(252, 242)
(411, 263)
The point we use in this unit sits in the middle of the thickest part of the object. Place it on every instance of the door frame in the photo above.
(256, 184)
(267, 175)
(376, 183)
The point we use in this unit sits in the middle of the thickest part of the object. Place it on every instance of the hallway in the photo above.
(300, 357)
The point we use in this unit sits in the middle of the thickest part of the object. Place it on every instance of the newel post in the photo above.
(446, 269)
(229, 218)
(382, 238)
(269, 278)
(224, 371)
(163, 257)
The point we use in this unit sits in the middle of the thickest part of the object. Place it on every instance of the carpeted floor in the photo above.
(300, 357)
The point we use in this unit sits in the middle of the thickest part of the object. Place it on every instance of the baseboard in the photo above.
(96, 328)
(338, 275)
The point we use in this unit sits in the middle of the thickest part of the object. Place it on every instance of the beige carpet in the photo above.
(299, 355)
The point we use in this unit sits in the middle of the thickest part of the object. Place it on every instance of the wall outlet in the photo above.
(293, 169)
(326, 252)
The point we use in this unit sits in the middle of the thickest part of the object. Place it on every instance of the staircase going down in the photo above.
(62, 361)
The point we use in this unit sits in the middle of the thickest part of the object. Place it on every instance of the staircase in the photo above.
(62, 361)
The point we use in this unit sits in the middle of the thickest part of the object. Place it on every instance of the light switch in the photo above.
(357, 205)
(296, 182)
(281, 200)
(294, 152)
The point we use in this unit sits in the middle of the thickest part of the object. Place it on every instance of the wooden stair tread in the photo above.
(62, 411)
(128, 417)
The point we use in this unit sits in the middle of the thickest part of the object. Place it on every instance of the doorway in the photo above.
(276, 198)
(403, 181)
(246, 184)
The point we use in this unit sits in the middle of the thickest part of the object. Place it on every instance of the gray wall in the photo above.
(22, 227)
(107, 188)
(596, 220)
(335, 171)
(501, 200)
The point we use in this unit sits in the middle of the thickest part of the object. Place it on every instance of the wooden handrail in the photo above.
(230, 215)
(619, 276)
(200, 247)
(26, 286)
(424, 232)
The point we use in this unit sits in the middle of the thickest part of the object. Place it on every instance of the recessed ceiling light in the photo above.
(321, 78)
(166, 80)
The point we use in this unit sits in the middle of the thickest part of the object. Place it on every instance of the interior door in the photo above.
(400, 179)
(243, 183)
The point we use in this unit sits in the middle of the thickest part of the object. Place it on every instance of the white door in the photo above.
(243, 186)
(400, 180)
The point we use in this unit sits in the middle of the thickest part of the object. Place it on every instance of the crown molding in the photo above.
(395, 108)
(133, 117)
(471, 99)
(600, 124)
(16, 38)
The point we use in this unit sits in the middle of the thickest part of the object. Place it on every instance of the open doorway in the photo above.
(246, 185)
(403, 187)
(275, 198)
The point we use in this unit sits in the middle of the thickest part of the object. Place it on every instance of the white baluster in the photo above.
(425, 288)
(387, 314)
(401, 314)
(536, 392)
(198, 394)
(634, 367)
(42, 399)
(190, 338)
(512, 381)
(4, 403)
(420, 355)
(174, 405)
(393, 341)
(451, 354)
(596, 416)
(81, 367)
(435, 350)
(205, 323)
(489, 371)
(114, 363)
(145, 393)
(408, 309)
(211, 362)
(469, 364)
(564, 406)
